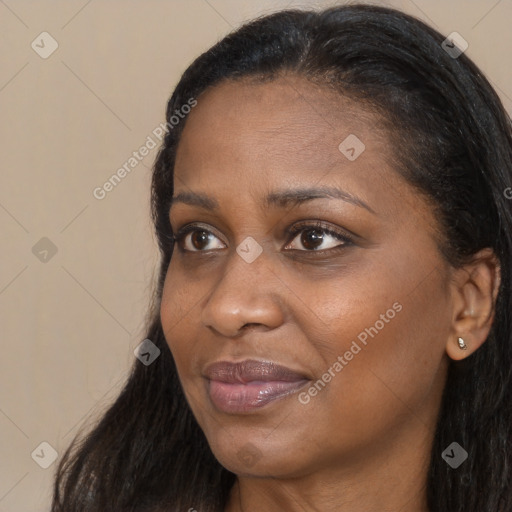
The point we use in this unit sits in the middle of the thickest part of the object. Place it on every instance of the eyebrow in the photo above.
(279, 199)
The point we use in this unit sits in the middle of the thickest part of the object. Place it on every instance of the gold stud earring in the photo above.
(462, 345)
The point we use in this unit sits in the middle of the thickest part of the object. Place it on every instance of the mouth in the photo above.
(248, 385)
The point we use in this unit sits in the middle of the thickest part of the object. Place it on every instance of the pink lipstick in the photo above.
(247, 385)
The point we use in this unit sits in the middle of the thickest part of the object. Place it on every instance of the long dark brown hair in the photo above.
(454, 143)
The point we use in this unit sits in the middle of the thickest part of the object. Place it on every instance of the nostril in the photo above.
(250, 325)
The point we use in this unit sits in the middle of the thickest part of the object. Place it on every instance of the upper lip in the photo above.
(251, 370)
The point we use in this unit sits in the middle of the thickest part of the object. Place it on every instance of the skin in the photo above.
(363, 442)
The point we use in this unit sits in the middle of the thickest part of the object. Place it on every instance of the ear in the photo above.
(474, 290)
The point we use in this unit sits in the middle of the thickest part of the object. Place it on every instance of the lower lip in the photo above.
(236, 398)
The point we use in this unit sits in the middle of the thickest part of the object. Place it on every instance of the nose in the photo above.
(247, 295)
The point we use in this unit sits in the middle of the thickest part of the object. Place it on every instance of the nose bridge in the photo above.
(246, 293)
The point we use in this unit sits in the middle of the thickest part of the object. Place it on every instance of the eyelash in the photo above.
(290, 232)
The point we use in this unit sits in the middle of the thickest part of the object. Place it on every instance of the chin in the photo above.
(258, 458)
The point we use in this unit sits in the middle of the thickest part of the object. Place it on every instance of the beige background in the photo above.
(69, 324)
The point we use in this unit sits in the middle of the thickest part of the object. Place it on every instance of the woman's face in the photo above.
(357, 308)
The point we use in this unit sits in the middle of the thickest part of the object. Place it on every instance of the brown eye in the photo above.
(311, 238)
(197, 241)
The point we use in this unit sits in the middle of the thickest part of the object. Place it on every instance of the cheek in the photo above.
(380, 350)
(178, 314)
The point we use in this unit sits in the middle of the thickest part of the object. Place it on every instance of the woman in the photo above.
(333, 305)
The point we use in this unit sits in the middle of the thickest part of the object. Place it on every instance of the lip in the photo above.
(237, 387)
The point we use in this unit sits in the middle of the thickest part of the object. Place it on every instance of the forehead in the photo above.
(246, 137)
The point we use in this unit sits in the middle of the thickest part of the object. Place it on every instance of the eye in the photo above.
(312, 236)
(200, 237)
